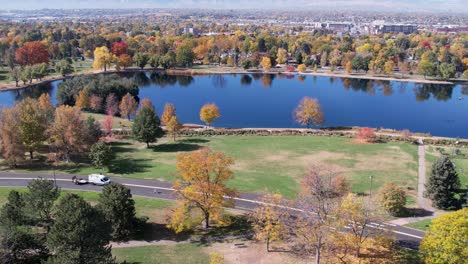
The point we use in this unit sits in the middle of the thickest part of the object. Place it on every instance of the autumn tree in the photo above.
(445, 241)
(82, 100)
(209, 113)
(282, 56)
(103, 59)
(141, 59)
(95, 103)
(443, 184)
(388, 67)
(201, 184)
(67, 133)
(392, 198)
(302, 68)
(12, 146)
(366, 134)
(128, 106)
(146, 126)
(147, 103)
(125, 61)
(32, 53)
(174, 126)
(15, 75)
(119, 48)
(309, 112)
(46, 105)
(33, 124)
(112, 104)
(266, 64)
(169, 112)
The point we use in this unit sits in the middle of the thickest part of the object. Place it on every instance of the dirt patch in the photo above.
(280, 156)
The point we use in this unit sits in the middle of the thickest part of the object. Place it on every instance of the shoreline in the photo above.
(222, 70)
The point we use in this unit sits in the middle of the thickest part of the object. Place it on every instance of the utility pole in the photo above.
(370, 191)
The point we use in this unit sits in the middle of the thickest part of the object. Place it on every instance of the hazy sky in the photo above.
(392, 5)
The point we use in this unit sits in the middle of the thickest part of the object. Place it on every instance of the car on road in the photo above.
(98, 179)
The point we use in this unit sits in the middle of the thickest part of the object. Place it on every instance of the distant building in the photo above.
(379, 26)
(451, 29)
(190, 30)
(337, 27)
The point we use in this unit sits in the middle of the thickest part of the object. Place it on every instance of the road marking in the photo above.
(235, 198)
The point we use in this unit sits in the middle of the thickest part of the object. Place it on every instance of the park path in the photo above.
(423, 202)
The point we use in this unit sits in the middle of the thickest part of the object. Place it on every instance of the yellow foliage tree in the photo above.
(216, 258)
(128, 106)
(103, 59)
(201, 184)
(266, 64)
(301, 68)
(169, 112)
(230, 62)
(209, 113)
(82, 100)
(388, 67)
(446, 239)
(174, 126)
(282, 56)
(309, 112)
(349, 67)
(45, 103)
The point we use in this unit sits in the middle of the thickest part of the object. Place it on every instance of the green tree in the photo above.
(426, 68)
(443, 183)
(40, 199)
(40, 70)
(15, 75)
(63, 67)
(12, 213)
(154, 61)
(101, 154)
(445, 241)
(185, 56)
(80, 234)
(392, 198)
(141, 59)
(447, 71)
(146, 126)
(27, 74)
(118, 207)
(33, 124)
(19, 245)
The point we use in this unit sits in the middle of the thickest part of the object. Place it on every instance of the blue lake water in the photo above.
(268, 101)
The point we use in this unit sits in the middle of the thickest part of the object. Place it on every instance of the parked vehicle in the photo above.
(79, 181)
(98, 179)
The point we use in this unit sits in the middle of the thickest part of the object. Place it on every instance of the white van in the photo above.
(98, 179)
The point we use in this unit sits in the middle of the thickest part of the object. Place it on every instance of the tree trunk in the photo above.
(174, 136)
(147, 144)
(31, 154)
(207, 220)
(16, 83)
(317, 255)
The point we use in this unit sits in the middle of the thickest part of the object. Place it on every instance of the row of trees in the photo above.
(38, 226)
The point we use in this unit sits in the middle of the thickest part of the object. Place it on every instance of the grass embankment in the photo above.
(421, 225)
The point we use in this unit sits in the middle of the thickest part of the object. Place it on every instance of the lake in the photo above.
(268, 101)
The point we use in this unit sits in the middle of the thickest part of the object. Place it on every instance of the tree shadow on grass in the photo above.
(154, 232)
(129, 166)
(176, 147)
(121, 147)
(416, 212)
(194, 140)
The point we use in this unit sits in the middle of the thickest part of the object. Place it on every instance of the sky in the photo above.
(392, 5)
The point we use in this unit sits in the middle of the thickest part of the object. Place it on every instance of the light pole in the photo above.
(53, 168)
(370, 191)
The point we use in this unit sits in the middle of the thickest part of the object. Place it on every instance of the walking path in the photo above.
(423, 202)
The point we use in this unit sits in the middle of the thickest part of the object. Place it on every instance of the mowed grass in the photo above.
(421, 225)
(270, 163)
(180, 253)
(460, 161)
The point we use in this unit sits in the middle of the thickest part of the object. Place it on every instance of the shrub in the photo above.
(301, 68)
(366, 134)
(392, 198)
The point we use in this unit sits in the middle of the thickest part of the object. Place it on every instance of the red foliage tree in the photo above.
(32, 53)
(290, 68)
(107, 124)
(366, 134)
(119, 48)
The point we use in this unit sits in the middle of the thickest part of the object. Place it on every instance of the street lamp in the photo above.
(370, 191)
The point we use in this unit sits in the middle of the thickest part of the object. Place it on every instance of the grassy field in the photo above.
(180, 253)
(460, 160)
(272, 163)
(421, 225)
(117, 122)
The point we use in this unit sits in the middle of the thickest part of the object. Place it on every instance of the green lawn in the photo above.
(421, 225)
(180, 253)
(461, 162)
(268, 163)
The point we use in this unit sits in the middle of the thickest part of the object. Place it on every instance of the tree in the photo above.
(141, 59)
(388, 67)
(33, 124)
(185, 56)
(27, 75)
(146, 126)
(15, 75)
(125, 61)
(301, 68)
(40, 70)
(173, 126)
(95, 103)
(67, 132)
(100, 154)
(119, 48)
(19, 245)
(103, 59)
(209, 113)
(94, 130)
(366, 134)
(147, 103)
(112, 104)
(154, 61)
(63, 67)
(447, 71)
(82, 100)
(445, 241)
(12, 146)
(268, 219)
(282, 56)
(118, 207)
(80, 233)
(32, 53)
(40, 199)
(128, 106)
(201, 184)
(392, 198)
(266, 64)
(108, 123)
(443, 183)
(169, 112)
(309, 112)
(426, 68)
(13, 212)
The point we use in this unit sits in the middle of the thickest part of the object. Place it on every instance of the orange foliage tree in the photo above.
(209, 113)
(309, 112)
(169, 112)
(128, 106)
(201, 184)
(366, 134)
(95, 102)
(12, 147)
(31, 53)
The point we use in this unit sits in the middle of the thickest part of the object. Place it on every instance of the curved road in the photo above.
(407, 237)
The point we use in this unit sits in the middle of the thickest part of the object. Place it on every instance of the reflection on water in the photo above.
(32, 92)
(439, 92)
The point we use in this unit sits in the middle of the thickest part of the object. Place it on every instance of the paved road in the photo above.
(407, 237)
